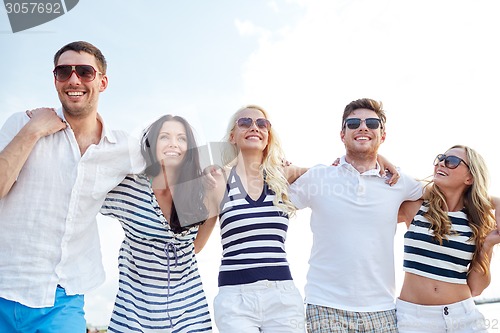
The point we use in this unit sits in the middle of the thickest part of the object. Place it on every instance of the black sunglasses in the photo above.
(451, 161)
(86, 73)
(261, 123)
(354, 123)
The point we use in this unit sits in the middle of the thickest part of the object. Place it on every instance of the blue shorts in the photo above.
(66, 315)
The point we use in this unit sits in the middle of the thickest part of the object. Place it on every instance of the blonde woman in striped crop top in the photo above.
(448, 247)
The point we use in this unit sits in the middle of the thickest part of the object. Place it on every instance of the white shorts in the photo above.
(460, 317)
(263, 306)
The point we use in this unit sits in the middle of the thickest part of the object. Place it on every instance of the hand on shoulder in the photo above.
(45, 121)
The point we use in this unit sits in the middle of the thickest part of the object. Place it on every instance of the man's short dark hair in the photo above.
(81, 46)
(365, 103)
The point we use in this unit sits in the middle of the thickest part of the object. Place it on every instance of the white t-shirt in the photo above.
(353, 221)
(48, 226)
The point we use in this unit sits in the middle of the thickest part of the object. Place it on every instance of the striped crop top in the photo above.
(253, 236)
(424, 256)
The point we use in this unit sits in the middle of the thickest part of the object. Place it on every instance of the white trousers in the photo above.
(460, 317)
(263, 306)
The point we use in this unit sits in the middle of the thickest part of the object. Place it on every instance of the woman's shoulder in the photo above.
(134, 182)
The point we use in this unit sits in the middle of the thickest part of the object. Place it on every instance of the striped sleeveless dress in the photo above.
(253, 234)
(160, 289)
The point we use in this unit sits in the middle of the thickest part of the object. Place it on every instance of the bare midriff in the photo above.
(425, 291)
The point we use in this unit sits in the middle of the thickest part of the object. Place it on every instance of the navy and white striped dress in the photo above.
(160, 288)
(253, 236)
(424, 256)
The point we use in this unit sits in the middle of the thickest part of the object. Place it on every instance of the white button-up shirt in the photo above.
(48, 228)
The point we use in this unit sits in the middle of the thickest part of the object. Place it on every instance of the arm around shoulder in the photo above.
(292, 173)
(408, 210)
(478, 279)
(204, 232)
(14, 155)
(213, 198)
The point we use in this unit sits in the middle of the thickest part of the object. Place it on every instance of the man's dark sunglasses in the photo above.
(354, 123)
(86, 73)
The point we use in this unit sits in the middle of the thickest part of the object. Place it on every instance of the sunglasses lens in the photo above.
(85, 72)
(263, 123)
(62, 73)
(372, 123)
(451, 162)
(244, 122)
(352, 123)
(438, 159)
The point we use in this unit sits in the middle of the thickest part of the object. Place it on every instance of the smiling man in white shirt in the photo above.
(57, 167)
(351, 278)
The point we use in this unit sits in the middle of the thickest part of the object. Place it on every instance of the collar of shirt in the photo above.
(106, 132)
(372, 172)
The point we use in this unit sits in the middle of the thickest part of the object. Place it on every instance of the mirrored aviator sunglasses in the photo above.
(354, 123)
(451, 161)
(261, 123)
(86, 73)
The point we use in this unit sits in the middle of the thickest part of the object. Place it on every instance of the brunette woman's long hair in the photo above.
(188, 207)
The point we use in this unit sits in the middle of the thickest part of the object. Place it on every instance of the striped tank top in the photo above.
(424, 256)
(253, 234)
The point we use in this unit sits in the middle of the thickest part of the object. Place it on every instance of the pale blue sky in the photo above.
(434, 64)
(162, 55)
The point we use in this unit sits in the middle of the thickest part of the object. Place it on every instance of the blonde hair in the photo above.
(477, 204)
(271, 167)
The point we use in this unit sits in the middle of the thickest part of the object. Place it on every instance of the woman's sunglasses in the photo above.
(261, 123)
(354, 123)
(450, 161)
(86, 73)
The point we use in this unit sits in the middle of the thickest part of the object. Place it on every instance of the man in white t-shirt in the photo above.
(351, 278)
(56, 169)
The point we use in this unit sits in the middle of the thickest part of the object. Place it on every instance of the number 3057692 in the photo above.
(33, 8)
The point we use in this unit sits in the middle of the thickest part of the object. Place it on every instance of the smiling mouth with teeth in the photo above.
(75, 93)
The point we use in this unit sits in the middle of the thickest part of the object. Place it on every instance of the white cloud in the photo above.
(246, 28)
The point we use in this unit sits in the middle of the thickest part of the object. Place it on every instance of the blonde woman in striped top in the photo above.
(256, 289)
(448, 247)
